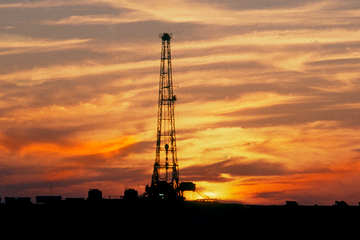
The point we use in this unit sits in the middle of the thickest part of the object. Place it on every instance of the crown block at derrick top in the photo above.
(166, 37)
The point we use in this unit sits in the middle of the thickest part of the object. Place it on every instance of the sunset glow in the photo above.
(268, 102)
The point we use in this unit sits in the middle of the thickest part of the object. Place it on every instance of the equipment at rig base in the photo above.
(165, 177)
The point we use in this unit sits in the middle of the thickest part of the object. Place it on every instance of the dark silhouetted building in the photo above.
(130, 194)
(94, 195)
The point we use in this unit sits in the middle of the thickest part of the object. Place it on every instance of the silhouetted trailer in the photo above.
(17, 200)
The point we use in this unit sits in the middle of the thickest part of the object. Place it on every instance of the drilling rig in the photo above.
(165, 178)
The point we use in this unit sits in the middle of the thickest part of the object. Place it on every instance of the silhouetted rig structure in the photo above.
(163, 187)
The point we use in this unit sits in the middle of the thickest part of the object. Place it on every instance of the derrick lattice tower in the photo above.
(166, 169)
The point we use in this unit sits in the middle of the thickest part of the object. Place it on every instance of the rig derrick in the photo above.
(165, 177)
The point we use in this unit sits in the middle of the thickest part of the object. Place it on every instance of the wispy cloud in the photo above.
(218, 13)
(40, 4)
(17, 44)
(101, 19)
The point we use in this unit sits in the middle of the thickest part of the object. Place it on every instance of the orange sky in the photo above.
(268, 97)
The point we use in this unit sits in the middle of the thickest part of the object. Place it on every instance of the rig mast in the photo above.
(165, 178)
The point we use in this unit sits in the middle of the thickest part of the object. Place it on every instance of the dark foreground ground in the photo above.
(187, 220)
